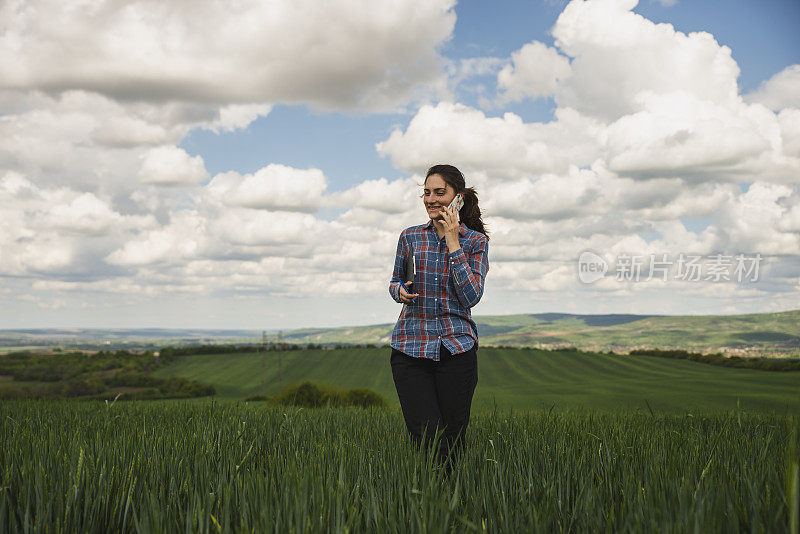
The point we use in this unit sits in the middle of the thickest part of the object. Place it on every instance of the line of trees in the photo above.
(762, 364)
(93, 376)
(270, 347)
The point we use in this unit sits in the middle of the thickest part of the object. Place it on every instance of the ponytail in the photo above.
(470, 214)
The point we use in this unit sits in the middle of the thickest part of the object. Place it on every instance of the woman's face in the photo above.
(437, 193)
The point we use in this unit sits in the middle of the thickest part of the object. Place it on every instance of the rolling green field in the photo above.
(522, 379)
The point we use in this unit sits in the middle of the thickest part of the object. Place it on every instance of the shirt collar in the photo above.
(462, 228)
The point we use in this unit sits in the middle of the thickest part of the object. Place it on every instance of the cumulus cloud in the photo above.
(649, 129)
(90, 141)
(677, 134)
(170, 165)
(180, 239)
(618, 54)
(499, 146)
(337, 55)
(646, 100)
(265, 228)
(84, 214)
(238, 116)
(534, 71)
(752, 221)
(552, 196)
(779, 92)
(57, 230)
(380, 195)
(275, 186)
(789, 120)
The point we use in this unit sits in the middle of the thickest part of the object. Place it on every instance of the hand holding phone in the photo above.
(405, 293)
(405, 287)
(457, 204)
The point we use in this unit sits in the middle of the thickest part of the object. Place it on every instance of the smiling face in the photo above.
(436, 195)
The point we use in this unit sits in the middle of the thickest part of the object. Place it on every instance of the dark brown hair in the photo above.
(470, 214)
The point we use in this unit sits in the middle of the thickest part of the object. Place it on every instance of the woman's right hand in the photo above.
(405, 296)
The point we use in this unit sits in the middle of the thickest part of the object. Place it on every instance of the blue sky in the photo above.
(253, 168)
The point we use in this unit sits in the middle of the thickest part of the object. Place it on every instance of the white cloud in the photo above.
(170, 165)
(84, 214)
(790, 219)
(649, 129)
(551, 196)
(779, 92)
(343, 55)
(238, 116)
(57, 230)
(534, 72)
(182, 238)
(87, 140)
(381, 195)
(276, 187)
(676, 134)
(752, 221)
(500, 146)
(789, 120)
(460, 76)
(265, 228)
(644, 99)
(618, 54)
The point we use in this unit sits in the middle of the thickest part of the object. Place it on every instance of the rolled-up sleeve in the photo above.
(399, 270)
(469, 271)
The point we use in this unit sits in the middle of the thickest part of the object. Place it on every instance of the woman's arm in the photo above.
(399, 272)
(469, 271)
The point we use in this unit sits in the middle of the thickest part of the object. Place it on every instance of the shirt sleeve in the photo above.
(469, 271)
(399, 270)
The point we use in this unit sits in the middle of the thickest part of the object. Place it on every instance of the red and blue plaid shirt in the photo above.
(448, 283)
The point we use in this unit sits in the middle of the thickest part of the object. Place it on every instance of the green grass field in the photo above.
(234, 467)
(521, 379)
(558, 441)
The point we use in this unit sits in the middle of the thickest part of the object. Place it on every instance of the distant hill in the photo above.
(120, 338)
(751, 334)
(756, 334)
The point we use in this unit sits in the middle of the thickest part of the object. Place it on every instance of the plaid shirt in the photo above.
(448, 283)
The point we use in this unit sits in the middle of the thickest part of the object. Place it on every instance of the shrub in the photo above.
(11, 393)
(365, 398)
(311, 395)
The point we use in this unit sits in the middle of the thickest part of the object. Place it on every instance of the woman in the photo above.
(435, 341)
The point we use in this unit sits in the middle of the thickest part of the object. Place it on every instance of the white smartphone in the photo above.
(457, 204)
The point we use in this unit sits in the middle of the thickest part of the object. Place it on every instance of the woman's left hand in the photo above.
(451, 227)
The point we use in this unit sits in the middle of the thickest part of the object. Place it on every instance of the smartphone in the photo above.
(411, 271)
(457, 204)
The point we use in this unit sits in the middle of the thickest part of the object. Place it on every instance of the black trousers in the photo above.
(437, 395)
